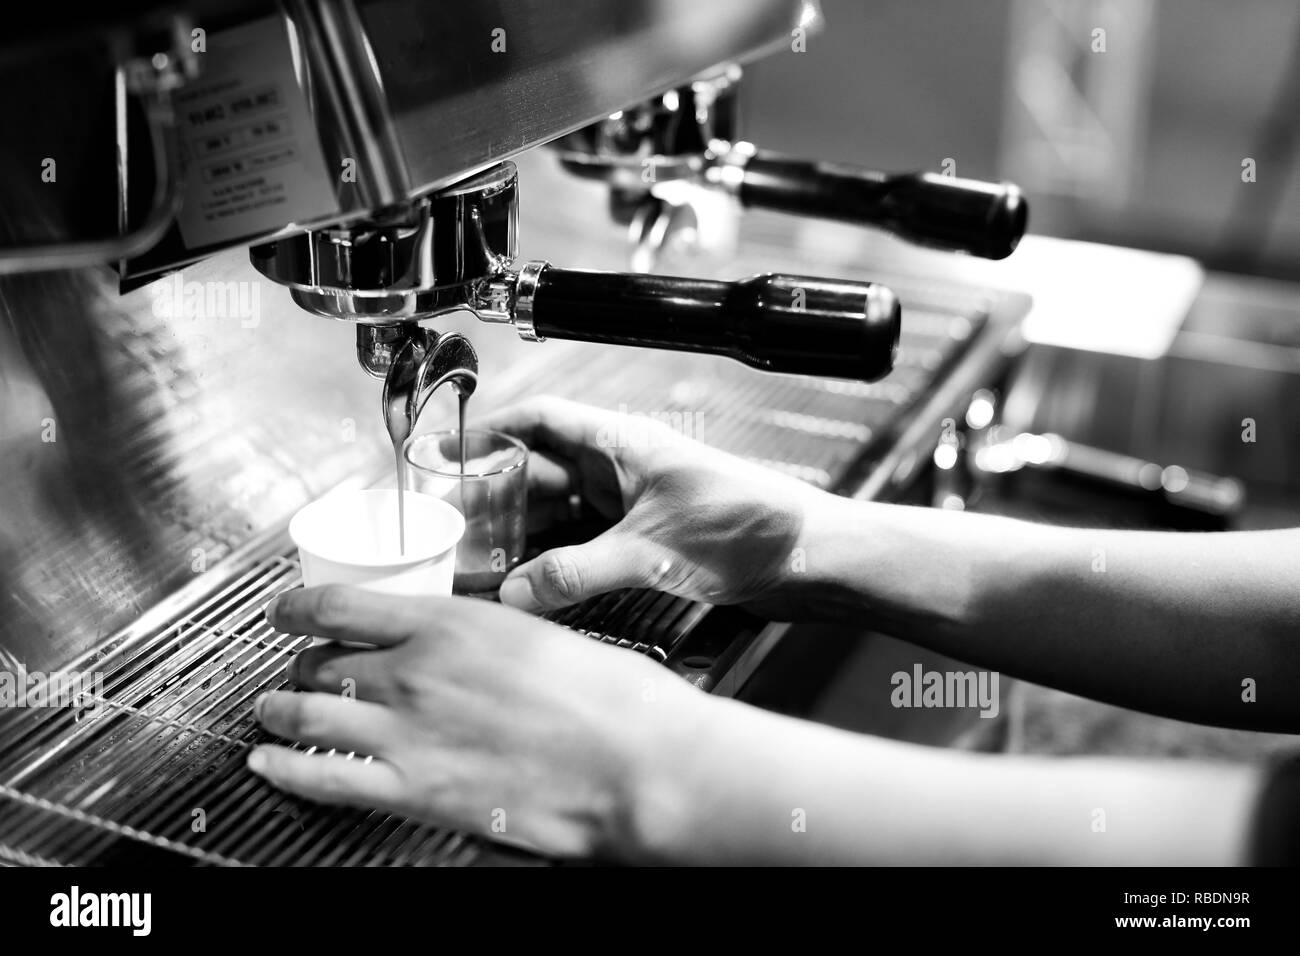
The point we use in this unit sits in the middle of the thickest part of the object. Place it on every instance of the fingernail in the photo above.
(517, 592)
(257, 707)
(269, 609)
(257, 760)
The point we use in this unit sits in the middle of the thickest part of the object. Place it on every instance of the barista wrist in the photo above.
(667, 783)
(895, 566)
(823, 577)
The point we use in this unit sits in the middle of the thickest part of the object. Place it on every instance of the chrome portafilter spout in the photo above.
(424, 362)
(421, 361)
(401, 266)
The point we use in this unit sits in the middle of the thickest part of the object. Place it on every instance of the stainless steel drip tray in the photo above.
(158, 771)
(152, 769)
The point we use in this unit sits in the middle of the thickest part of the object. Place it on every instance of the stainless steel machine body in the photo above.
(154, 444)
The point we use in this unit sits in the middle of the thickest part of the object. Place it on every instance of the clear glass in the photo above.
(492, 494)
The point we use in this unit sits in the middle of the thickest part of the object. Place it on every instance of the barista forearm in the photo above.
(1202, 627)
(758, 788)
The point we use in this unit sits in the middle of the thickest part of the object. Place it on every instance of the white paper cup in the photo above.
(351, 537)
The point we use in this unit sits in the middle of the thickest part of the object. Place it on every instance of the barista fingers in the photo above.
(80, 690)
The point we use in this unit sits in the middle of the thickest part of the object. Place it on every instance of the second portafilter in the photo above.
(691, 135)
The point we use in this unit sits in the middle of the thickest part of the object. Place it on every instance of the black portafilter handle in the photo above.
(942, 212)
(778, 323)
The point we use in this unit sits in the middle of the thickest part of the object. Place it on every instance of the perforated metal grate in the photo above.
(158, 772)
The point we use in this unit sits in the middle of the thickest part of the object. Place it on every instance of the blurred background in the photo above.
(1135, 137)
(1138, 142)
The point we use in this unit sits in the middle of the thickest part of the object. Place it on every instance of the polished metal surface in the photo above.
(144, 437)
(423, 365)
(415, 96)
(347, 93)
(688, 137)
(188, 420)
(454, 250)
(137, 449)
(525, 291)
(680, 134)
(155, 445)
(155, 771)
(160, 742)
(458, 105)
(421, 258)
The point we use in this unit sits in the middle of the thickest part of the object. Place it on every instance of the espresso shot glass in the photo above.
(491, 493)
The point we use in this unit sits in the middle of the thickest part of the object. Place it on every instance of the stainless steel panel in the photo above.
(156, 769)
(153, 768)
(458, 104)
(136, 451)
(200, 433)
(434, 92)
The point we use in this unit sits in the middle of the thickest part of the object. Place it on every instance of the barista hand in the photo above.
(480, 718)
(487, 720)
(690, 520)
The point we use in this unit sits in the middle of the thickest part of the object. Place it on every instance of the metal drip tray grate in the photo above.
(159, 770)
(154, 771)
(153, 765)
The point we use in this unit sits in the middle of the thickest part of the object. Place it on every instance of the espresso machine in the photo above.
(358, 168)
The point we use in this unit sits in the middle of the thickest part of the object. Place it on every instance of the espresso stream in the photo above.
(401, 496)
(464, 403)
(402, 471)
